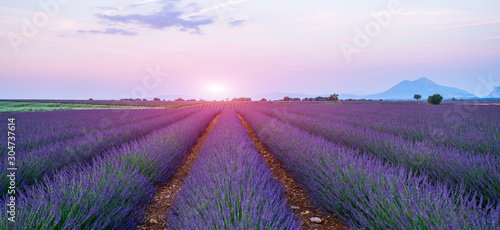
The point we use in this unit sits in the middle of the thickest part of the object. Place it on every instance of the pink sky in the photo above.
(242, 47)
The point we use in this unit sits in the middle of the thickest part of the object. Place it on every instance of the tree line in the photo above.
(435, 99)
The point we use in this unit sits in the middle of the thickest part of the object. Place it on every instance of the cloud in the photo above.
(168, 16)
(236, 23)
(113, 9)
(215, 7)
(467, 25)
(108, 31)
(488, 39)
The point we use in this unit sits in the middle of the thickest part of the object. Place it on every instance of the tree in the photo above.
(156, 99)
(90, 99)
(435, 99)
(287, 98)
(241, 99)
(179, 99)
(333, 97)
(321, 99)
(417, 96)
(263, 99)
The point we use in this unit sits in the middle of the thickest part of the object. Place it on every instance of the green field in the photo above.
(18, 107)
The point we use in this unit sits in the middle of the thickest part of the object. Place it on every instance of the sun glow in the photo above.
(216, 88)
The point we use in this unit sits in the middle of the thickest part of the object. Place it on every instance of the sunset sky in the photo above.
(213, 49)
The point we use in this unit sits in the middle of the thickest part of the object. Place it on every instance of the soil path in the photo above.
(297, 197)
(159, 207)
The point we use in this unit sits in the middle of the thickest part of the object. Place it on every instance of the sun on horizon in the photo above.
(216, 88)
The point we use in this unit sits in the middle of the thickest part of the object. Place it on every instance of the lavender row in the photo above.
(365, 192)
(479, 173)
(230, 186)
(48, 159)
(473, 129)
(37, 129)
(111, 193)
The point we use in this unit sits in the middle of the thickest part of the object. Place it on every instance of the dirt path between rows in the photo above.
(297, 197)
(159, 207)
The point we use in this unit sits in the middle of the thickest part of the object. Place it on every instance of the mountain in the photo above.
(423, 86)
(495, 93)
(405, 90)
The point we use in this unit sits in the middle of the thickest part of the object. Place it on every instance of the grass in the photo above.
(18, 107)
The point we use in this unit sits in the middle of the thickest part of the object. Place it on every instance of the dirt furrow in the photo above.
(297, 197)
(165, 195)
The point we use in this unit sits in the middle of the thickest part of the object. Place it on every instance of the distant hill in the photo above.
(423, 86)
(495, 93)
(279, 95)
(348, 96)
(405, 90)
(173, 97)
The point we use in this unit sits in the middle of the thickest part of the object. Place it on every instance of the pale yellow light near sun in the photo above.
(216, 88)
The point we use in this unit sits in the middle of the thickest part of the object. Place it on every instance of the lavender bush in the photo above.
(473, 128)
(365, 192)
(230, 186)
(479, 173)
(37, 163)
(112, 192)
(38, 129)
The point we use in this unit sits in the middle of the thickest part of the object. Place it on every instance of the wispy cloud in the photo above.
(488, 39)
(168, 16)
(449, 27)
(236, 23)
(111, 9)
(214, 7)
(108, 31)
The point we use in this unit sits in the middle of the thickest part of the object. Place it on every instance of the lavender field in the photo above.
(244, 165)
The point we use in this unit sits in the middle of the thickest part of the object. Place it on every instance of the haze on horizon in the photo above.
(214, 49)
